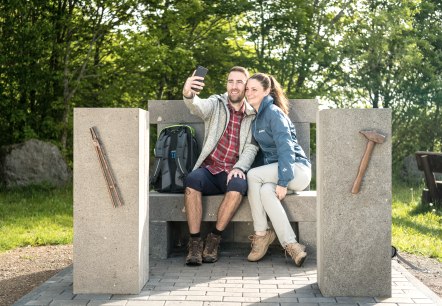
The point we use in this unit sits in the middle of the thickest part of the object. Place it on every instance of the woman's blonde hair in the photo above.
(267, 81)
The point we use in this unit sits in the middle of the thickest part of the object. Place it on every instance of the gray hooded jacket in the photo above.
(215, 115)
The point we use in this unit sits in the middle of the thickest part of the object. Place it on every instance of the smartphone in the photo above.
(201, 72)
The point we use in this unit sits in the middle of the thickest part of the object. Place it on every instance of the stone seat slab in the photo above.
(169, 207)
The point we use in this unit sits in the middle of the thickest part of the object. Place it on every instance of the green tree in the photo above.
(49, 48)
(418, 114)
(187, 33)
(296, 41)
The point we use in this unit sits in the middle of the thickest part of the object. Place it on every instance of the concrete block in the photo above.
(354, 230)
(303, 134)
(111, 244)
(241, 231)
(307, 236)
(159, 247)
(166, 206)
(169, 111)
(167, 209)
(303, 110)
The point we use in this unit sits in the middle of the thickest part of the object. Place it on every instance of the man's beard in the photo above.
(237, 100)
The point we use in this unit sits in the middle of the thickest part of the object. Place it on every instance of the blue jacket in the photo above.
(276, 136)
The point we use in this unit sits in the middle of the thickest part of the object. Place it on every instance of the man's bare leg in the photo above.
(227, 209)
(194, 209)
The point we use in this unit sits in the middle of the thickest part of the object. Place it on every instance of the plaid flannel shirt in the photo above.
(226, 153)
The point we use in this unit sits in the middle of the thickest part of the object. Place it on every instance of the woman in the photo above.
(285, 167)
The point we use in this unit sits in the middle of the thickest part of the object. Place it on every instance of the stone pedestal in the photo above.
(354, 230)
(111, 244)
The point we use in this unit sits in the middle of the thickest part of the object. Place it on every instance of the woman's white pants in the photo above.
(262, 183)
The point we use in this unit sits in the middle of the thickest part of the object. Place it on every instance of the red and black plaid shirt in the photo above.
(226, 153)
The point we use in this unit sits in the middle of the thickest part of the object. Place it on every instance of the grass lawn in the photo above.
(43, 215)
(416, 229)
(35, 216)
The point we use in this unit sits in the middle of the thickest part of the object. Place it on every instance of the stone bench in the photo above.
(351, 232)
(168, 226)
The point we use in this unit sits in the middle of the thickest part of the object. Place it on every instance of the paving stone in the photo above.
(107, 303)
(92, 297)
(208, 293)
(39, 302)
(241, 299)
(145, 303)
(186, 303)
(317, 300)
(69, 303)
(361, 300)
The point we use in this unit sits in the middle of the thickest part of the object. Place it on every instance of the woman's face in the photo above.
(255, 93)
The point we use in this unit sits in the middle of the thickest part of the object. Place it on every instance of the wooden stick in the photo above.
(106, 170)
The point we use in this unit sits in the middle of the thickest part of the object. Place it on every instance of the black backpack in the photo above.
(176, 152)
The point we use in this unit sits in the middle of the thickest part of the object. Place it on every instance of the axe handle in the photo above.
(363, 167)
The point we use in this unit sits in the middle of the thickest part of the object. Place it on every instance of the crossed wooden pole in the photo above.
(107, 172)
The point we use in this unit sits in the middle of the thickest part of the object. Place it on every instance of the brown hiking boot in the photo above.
(195, 247)
(297, 252)
(210, 253)
(260, 245)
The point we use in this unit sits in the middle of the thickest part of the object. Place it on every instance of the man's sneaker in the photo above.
(195, 247)
(260, 245)
(210, 253)
(297, 252)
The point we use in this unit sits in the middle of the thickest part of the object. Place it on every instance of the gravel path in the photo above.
(431, 275)
(23, 269)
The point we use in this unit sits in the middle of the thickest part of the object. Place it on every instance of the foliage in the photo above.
(56, 55)
(294, 41)
(34, 216)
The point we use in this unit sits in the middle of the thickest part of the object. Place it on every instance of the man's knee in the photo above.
(194, 181)
(191, 192)
(237, 184)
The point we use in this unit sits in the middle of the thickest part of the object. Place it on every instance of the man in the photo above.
(226, 155)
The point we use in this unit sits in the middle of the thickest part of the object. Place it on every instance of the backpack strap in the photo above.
(159, 155)
(180, 150)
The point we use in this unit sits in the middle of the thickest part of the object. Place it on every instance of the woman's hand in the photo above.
(281, 192)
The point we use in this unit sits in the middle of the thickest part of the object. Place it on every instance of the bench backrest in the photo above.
(434, 160)
(168, 112)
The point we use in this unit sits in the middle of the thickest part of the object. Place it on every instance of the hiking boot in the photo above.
(195, 247)
(260, 245)
(210, 253)
(297, 252)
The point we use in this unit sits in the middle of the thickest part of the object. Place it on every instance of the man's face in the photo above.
(236, 86)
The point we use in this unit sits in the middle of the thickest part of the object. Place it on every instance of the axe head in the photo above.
(374, 136)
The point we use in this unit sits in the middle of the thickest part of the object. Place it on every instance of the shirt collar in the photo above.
(240, 111)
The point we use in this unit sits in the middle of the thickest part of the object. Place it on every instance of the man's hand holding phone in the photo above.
(195, 83)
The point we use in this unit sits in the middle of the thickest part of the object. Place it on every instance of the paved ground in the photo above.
(229, 282)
